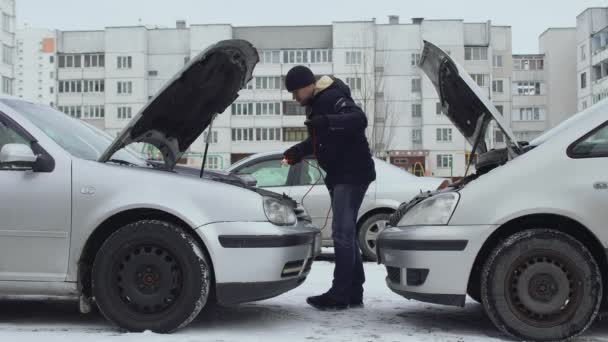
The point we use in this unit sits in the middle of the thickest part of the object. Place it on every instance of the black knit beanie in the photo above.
(299, 77)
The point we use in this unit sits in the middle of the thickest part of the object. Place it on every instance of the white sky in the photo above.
(528, 18)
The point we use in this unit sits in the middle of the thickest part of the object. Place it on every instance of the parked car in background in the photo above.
(525, 235)
(392, 187)
(85, 218)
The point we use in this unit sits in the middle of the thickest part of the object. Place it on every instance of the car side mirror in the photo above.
(248, 179)
(18, 156)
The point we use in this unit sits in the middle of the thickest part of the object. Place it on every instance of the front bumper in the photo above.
(259, 260)
(431, 263)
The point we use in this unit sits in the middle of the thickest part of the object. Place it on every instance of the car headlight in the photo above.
(436, 210)
(279, 213)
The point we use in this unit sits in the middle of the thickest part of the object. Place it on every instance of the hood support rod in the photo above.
(209, 134)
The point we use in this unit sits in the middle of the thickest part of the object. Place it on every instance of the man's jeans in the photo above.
(349, 276)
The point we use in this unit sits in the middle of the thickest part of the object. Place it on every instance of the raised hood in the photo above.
(187, 104)
(461, 98)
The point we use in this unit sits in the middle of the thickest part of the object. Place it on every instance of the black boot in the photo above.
(326, 303)
(355, 303)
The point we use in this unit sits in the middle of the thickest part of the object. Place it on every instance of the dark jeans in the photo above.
(349, 276)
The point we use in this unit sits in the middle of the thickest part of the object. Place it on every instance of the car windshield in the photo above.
(76, 137)
(563, 126)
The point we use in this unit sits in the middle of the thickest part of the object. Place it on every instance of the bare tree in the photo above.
(368, 83)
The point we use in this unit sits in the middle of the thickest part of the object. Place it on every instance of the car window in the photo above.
(9, 136)
(268, 173)
(594, 145)
(311, 173)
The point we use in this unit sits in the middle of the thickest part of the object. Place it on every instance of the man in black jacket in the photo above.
(336, 127)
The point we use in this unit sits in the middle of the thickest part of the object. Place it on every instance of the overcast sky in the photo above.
(528, 18)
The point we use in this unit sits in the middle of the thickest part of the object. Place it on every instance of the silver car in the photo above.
(84, 218)
(525, 235)
(304, 183)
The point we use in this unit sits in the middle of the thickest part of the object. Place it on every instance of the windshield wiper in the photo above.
(122, 162)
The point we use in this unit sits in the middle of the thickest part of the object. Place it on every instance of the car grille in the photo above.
(292, 268)
(394, 274)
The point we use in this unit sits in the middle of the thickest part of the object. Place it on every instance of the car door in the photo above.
(587, 179)
(35, 214)
(270, 173)
(309, 182)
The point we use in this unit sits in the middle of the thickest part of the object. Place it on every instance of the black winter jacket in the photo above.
(341, 149)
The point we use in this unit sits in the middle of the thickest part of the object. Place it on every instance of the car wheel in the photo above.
(151, 275)
(541, 285)
(368, 233)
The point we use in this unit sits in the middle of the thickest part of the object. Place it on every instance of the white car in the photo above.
(525, 235)
(392, 187)
(84, 218)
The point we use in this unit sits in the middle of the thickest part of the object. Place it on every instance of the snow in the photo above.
(386, 317)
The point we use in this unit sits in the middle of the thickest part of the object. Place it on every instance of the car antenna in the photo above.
(207, 145)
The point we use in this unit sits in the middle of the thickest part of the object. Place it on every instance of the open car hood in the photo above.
(461, 98)
(187, 104)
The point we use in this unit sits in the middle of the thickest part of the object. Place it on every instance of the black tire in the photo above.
(541, 285)
(369, 229)
(151, 275)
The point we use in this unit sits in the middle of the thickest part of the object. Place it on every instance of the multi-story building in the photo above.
(7, 39)
(592, 56)
(106, 76)
(35, 71)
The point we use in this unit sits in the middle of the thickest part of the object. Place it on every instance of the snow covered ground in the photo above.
(387, 317)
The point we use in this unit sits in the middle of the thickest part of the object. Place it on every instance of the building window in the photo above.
(51, 90)
(152, 73)
(270, 56)
(213, 163)
(416, 110)
(321, 56)
(438, 108)
(186, 60)
(241, 108)
(7, 54)
(528, 88)
(6, 22)
(583, 53)
(498, 86)
(293, 108)
(444, 135)
(93, 112)
(124, 113)
(51, 59)
(476, 53)
(294, 134)
(584, 80)
(416, 136)
(444, 161)
(295, 56)
(415, 59)
(529, 114)
(497, 61)
(124, 62)
(268, 82)
(268, 108)
(256, 134)
(528, 64)
(416, 85)
(354, 57)
(94, 61)
(93, 86)
(354, 83)
(214, 137)
(72, 86)
(499, 137)
(7, 85)
(584, 104)
(124, 87)
(480, 79)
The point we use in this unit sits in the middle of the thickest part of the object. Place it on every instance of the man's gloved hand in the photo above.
(293, 155)
(320, 123)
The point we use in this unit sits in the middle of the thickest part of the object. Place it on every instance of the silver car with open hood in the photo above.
(525, 235)
(84, 217)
